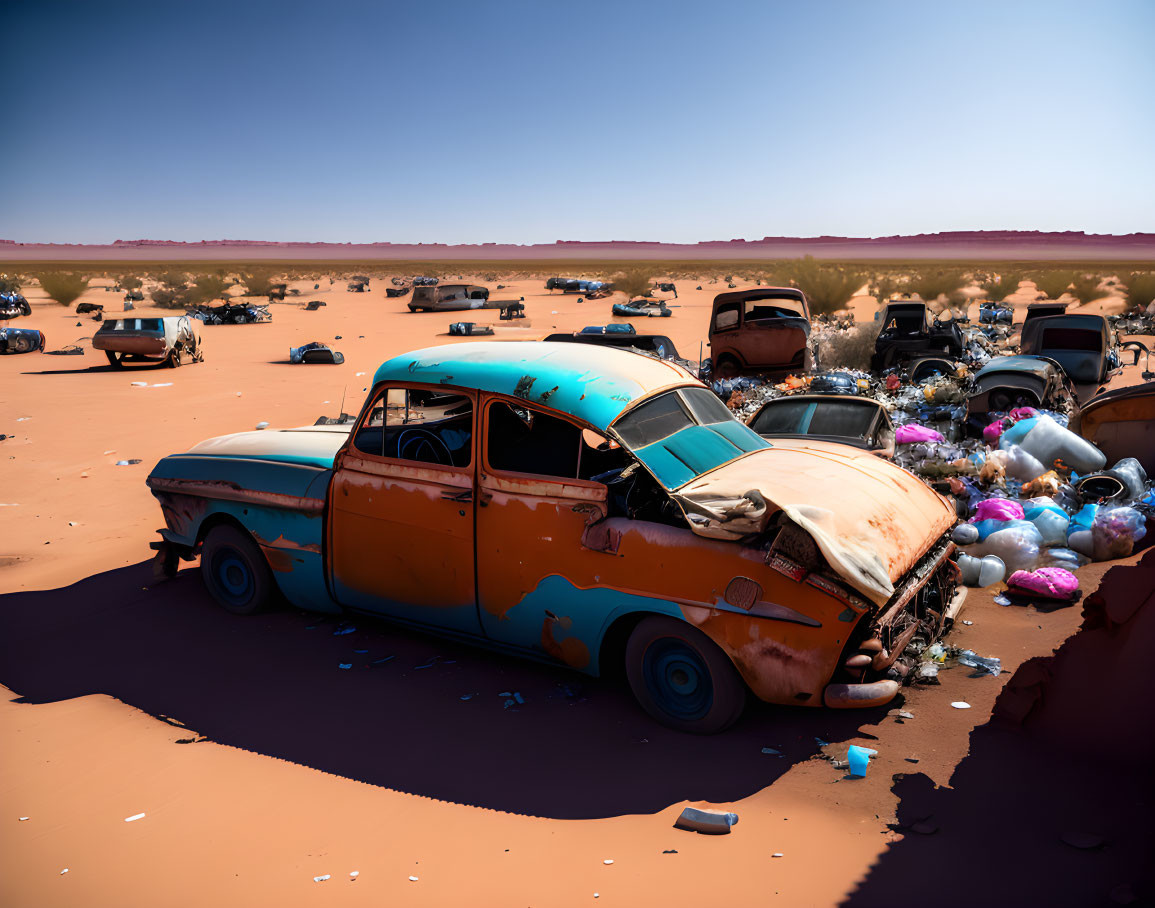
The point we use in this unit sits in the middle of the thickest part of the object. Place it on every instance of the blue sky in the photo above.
(536, 121)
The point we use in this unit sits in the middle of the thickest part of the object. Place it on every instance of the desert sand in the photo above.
(291, 769)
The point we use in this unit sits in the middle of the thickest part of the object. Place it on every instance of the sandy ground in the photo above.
(292, 769)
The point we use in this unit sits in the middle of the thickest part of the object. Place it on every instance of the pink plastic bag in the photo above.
(912, 432)
(998, 509)
(1052, 583)
(992, 432)
(1023, 413)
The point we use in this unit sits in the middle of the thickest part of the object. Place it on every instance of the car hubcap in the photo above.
(678, 680)
(233, 577)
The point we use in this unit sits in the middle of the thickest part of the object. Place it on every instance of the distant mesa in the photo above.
(961, 244)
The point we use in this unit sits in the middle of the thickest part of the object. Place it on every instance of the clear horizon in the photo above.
(528, 123)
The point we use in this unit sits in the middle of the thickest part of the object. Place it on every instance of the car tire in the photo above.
(235, 571)
(727, 367)
(681, 678)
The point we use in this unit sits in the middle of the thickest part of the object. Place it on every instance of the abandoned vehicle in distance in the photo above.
(587, 507)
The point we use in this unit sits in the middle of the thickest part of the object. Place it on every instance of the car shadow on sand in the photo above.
(387, 706)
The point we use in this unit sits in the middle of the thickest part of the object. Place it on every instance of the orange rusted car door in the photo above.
(401, 537)
(533, 508)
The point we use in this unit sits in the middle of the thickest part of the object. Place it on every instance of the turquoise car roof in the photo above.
(594, 384)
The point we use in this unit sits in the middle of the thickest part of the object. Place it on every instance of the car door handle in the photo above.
(461, 497)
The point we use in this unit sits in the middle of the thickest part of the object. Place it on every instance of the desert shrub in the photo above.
(883, 287)
(168, 299)
(930, 285)
(257, 283)
(1085, 288)
(851, 349)
(63, 286)
(174, 280)
(1140, 288)
(129, 282)
(1053, 284)
(633, 283)
(9, 283)
(999, 287)
(828, 288)
(489, 277)
(206, 287)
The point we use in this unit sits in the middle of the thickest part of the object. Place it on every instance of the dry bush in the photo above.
(828, 288)
(852, 348)
(883, 287)
(1140, 288)
(1000, 287)
(129, 282)
(633, 283)
(1085, 288)
(9, 283)
(257, 283)
(63, 286)
(1053, 284)
(168, 299)
(930, 285)
(205, 287)
(174, 280)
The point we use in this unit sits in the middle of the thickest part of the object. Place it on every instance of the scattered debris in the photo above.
(321, 879)
(316, 352)
(134, 817)
(707, 822)
(961, 704)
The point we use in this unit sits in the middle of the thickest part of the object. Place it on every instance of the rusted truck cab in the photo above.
(586, 507)
(764, 330)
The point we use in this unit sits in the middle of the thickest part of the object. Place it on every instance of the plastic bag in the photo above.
(913, 432)
(1016, 544)
(1050, 582)
(998, 509)
(1053, 526)
(1115, 532)
(1058, 557)
(1047, 441)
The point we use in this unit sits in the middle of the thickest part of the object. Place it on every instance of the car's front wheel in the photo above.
(681, 677)
(235, 571)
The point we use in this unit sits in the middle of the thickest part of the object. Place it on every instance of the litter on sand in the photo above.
(706, 822)
(858, 758)
(321, 879)
(135, 816)
(608, 861)
(412, 879)
(961, 704)
(771, 751)
(345, 665)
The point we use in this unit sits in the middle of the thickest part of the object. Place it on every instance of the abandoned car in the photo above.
(21, 340)
(1008, 382)
(592, 289)
(861, 422)
(173, 341)
(908, 333)
(614, 336)
(231, 314)
(1085, 346)
(13, 305)
(586, 507)
(763, 330)
(1121, 423)
(641, 308)
(454, 298)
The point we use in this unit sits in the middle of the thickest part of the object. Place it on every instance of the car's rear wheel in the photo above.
(235, 571)
(727, 367)
(681, 678)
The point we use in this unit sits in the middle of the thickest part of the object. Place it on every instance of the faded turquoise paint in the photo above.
(594, 384)
(255, 474)
(322, 461)
(695, 450)
(590, 612)
(299, 572)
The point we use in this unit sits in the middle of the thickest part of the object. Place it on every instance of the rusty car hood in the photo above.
(309, 445)
(872, 520)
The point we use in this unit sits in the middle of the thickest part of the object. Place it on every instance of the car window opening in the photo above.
(419, 425)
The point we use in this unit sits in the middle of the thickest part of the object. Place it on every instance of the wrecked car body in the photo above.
(763, 330)
(1085, 346)
(641, 308)
(589, 508)
(316, 352)
(861, 422)
(21, 340)
(454, 298)
(231, 314)
(592, 289)
(173, 341)
(13, 305)
(1121, 423)
(1008, 382)
(611, 336)
(908, 333)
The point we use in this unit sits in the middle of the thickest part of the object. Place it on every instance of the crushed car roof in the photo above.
(591, 382)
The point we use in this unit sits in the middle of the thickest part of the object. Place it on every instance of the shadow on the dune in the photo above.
(1052, 804)
(273, 684)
